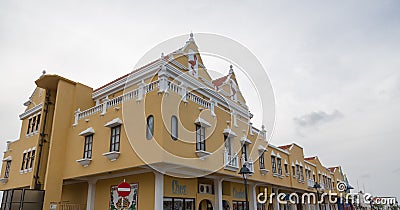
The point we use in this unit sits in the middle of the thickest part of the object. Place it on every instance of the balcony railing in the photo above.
(310, 183)
(231, 161)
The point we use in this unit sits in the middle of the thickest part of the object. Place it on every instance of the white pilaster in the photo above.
(253, 197)
(276, 203)
(91, 194)
(158, 190)
(218, 194)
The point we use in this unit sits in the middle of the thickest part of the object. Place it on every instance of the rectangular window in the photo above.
(244, 151)
(262, 164)
(200, 138)
(301, 173)
(7, 172)
(29, 126)
(37, 122)
(279, 166)
(178, 203)
(32, 160)
(239, 205)
(28, 157)
(293, 171)
(23, 161)
(87, 153)
(286, 169)
(273, 163)
(115, 139)
(33, 124)
(228, 145)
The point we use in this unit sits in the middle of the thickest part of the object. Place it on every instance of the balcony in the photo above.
(231, 162)
(310, 183)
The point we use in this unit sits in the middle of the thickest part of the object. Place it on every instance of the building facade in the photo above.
(178, 137)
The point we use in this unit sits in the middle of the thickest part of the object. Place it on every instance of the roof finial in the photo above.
(231, 69)
(191, 37)
(43, 72)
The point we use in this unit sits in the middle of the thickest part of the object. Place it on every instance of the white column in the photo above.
(158, 190)
(77, 112)
(218, 194)
(276, 203)
(253, 197)
(104, 106)
(91, 194)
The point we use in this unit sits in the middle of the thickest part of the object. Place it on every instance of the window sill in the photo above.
(4, 180)
(112, 156)
(31, 134)
(231, 168)
(264, 171)
(84, 162)
(202, 154)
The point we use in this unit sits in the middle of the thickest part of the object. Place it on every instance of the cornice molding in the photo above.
(31, 111)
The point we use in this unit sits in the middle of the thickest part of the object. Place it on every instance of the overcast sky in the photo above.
(334, 65)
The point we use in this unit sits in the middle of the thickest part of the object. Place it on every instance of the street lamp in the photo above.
(316, 187)
(244, 171)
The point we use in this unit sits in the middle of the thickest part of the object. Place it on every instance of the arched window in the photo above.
(174, 127)
(150, 127)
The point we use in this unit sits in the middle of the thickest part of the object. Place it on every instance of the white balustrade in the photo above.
(231, 160)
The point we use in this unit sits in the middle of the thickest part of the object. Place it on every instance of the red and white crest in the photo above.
(193, 63)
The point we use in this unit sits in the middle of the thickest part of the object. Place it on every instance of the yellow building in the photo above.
(178, 137)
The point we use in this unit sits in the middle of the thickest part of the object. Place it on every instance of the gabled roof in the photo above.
(332, 169)
(285, 147)
(126, 75)
(310, 158)
(218, 82)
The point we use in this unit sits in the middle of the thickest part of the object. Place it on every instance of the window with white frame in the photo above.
(200, 138)
(293, 171)
(7, 170)
(174, 127)
(88, 147)
(23, 161)
(28, 159)
(228, 145)
(32, 159)
(115, 138)
(279, 162)
(301, 173)
(33, 124)
(262, 162)
(150, 127)
(273, 164)
(245, 152)
(286, 168)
